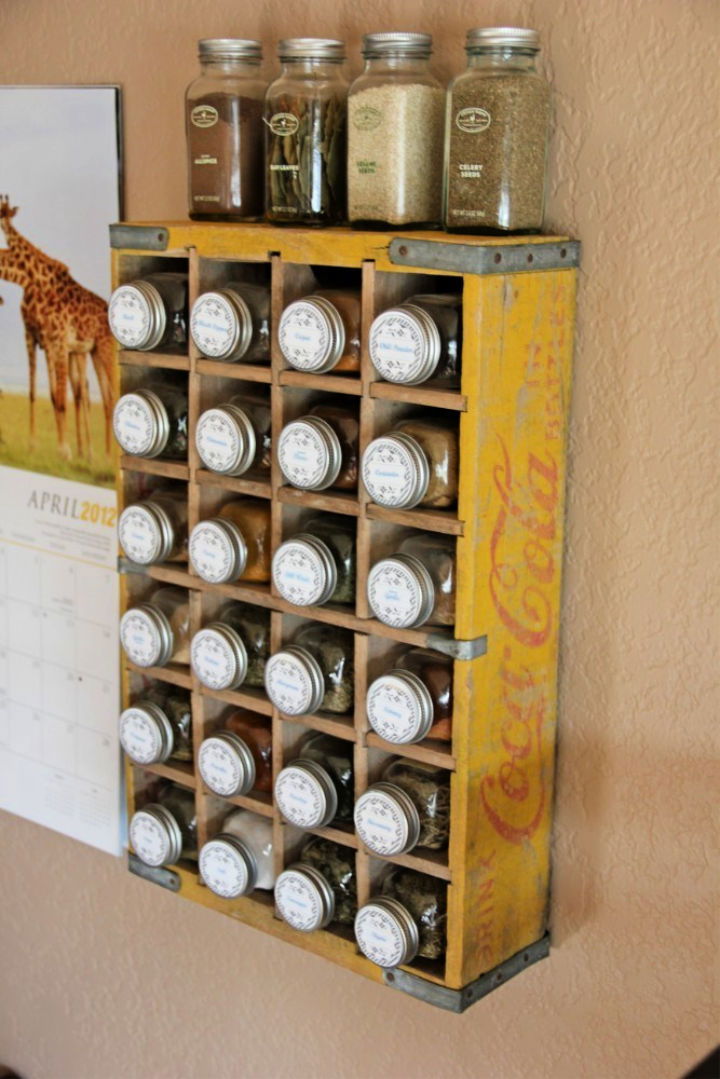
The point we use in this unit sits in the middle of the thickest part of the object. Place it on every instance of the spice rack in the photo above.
(511, 410)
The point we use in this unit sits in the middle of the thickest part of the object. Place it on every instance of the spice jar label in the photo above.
(299, 574)
(397, 347)
(473, 120)
(381, 823)
(140, 638)
(300, 797)
(303, 455)
(139, 535)
(379, 936)
(213, 326)
(213, 661)
(366, 118)
(211, 553)
(134, 424)
(283, 123)
(204, 116)
(218, 440)
(221, 768)
(299, 901)
(304, 336)
(288, 683)
(140, 736)
(389, 473)
(129, 317)
(149, 839)
(223, 869)
(394, 593)
(394, 710)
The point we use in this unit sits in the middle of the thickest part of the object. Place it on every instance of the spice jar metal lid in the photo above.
(400, 591)
(305, 794)
(294, 681)
(218, 656)
(409, 44)
(141, 423)
(146, 636)
(304, 898)
(155, 835)
(146, 532)
(146, 733)
(387, 820)
(227, 866)
(225, 440)
(216, 48)
(312, 48)
(405, 344)
(137, 316)
(399, 707)
(396, 471)
(217, 550)
(309, 453)
(311, 334)
(221, 325)
(226, 764)
(386, 933)
(494, 37)
(304, 571)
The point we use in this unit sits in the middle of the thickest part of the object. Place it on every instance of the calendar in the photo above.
(59, 669)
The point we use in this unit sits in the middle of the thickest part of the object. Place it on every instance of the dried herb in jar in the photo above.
(337, 865)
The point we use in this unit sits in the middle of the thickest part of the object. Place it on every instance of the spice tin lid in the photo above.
(217, 550)
(493, 37)
(401, 592)
(221, 325)
(386, 820)
(214, 48)
(395, 471)
(305, 794)
(309, 453)
(304, 571)
(304, 898)
(311, 334)
(386, 933)
(146, 533)
(141, 424)
(146, 636)
(404, 344)
(155, 835)
(218, 656)
(227, 866)
(407, 43)
(294, 681)
(226, 764)
(146, 733)
(399, 707)
(225, 440)
(314, 48)
(136, 315)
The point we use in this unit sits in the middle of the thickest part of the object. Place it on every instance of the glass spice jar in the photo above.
(317, 787)
(317, 565)
(155, 530)
(314, 672)
(420, 339)
(158, 726)
(238, 758)
(156, 632)
(152, 421)
(164, 831)
(305, 118)
(224, 131)
(150, 314)
(234, 545)
(415, 464)
(409, 807)
(235, 437)
(232, 650)
(320, 450)
(321, 332)
(416, 586)
(240, 858)
(415, 700)
(498, 125)
(319, 888)
(407, 920)
(396, 120)
(233, 323)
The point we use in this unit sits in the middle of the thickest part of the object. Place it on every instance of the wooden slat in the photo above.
(247, 372)
(239, 484)
(154, 359)
(430, 751)
(328, 501)
(322, 383)
(155, 466)
(444, 521)
(177, 771)
(174, 673)
(252, 699)
(420, 395)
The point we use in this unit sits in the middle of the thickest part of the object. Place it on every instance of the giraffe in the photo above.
(67, 321)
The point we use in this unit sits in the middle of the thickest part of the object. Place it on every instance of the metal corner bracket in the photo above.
(479, 258)
(166, 878)
(139, 237)
(459, 1000)
(450, 646)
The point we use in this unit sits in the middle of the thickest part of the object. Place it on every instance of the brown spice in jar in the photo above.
(226, 160)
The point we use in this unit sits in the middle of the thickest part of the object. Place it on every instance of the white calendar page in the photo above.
(59, 667)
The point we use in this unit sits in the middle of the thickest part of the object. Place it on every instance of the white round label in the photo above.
(303, 455)
(223, 869)
(134, 424)
(213, 325)
(139, 736)
(211, 553)
(288, 683)
(381, 823)
(394, 593)
(213, 660)
(129, 317)
(389, 472)
(219, 441)
(305, 337)
(149, 839)
(300, 797)
(379, 936)
(140, 638)
(397, 347)
(393, 709)
(299, 574)
(299, 901)
(139, 535)
(220, 767)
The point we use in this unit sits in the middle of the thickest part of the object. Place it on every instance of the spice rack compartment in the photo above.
(511, 408)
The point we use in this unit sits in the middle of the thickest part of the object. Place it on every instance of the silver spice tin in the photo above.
(405, 345)
(294, 681)
(137, 316)
(217, 550)
(226, 764)
(400, 591)
(305, 794)
(311, 334)
(395, 471)
(221, 325)
(386, 820)
(304, 899)
(146, 636)
(309, 453)
(141, 423)
(386, 932)
(155, 836)
(146, 532)
(399, 707)
(227, 866)
(225, 440)
(304, 571)
(218, 656)
(146, 734)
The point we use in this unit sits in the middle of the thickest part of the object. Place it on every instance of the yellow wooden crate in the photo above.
(512, 412)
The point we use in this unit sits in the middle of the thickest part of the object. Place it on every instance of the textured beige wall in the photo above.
(104, 976)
